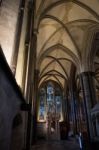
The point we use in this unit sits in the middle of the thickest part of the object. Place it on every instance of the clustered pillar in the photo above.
(35, 98)
(30, 75)
(89, 98)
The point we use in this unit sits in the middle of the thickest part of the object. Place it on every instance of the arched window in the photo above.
(42, 100)
(50, 101)
(50, 97)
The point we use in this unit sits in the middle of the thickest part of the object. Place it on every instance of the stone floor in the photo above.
(56, 145)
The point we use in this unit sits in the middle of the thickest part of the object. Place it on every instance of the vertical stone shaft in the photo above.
(30, 49)
(17, 36)
(35, 98)
(89, 95)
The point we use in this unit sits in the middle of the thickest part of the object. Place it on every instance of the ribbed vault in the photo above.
(63, 28)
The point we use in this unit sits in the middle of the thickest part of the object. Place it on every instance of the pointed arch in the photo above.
(55, 59)
(66, 29)
(58, 47)
(80, 4)
(52, 72)
(55, 78)
(66, 59)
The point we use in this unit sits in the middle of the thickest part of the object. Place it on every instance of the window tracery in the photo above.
(50, 102)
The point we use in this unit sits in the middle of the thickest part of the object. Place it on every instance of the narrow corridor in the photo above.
(56, 145)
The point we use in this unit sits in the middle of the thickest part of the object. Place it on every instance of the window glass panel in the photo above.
(42, 99)
(50, 101)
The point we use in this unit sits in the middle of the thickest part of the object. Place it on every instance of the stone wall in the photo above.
(10, 105)
(8, 23)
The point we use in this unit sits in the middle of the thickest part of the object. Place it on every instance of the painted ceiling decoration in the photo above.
(65, 30)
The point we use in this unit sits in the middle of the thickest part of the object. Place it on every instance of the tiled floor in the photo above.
(56, 145)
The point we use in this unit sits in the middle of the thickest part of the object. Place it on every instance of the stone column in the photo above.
(73, 90)
(73, 105)
(28, 50)
(26, 83)
(67, 111)
(30, 91)
(29, 70)
(35, 99)
(89, 95)
(76, 110)
(17, 36)
(78, 114)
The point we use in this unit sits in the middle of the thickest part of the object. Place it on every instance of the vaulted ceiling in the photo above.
(63, 31)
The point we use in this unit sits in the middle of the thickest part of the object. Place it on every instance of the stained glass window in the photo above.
(50, 101)
(42, 99)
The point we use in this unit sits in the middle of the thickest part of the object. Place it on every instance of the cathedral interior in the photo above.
(49, 74)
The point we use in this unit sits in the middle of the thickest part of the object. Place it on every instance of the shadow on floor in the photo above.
(59, 145)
